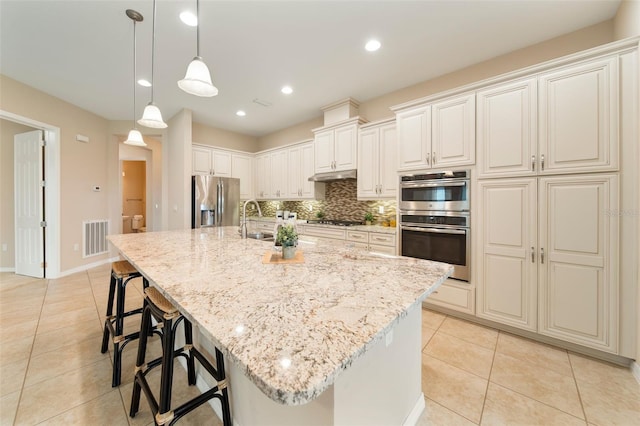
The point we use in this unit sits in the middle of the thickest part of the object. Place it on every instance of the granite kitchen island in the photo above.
(332, 340)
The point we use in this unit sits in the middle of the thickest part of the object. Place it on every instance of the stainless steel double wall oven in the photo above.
(435, 218)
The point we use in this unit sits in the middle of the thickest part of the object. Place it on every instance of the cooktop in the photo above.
(335, 222)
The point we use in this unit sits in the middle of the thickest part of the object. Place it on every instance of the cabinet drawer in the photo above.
(358, 236)
(337, 234)
(264, 226)
(382, 249)
(382, 239)
(454, 296)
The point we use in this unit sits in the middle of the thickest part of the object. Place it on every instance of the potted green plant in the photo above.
(287, 237)
(368, 218)
(320, 215)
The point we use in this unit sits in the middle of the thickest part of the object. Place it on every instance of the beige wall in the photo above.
(7, 231)
(296, 133)
(82, 165)
(627, 20)
(205, 135)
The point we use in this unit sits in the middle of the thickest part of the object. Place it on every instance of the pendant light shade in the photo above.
(152, 117)
(135, 138)
(197, 80)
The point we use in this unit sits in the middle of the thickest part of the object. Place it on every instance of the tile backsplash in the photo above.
(341, 203)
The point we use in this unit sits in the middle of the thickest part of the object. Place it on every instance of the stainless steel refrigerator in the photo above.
(215, 201)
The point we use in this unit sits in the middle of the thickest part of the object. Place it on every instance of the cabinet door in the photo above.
(507, 129)
(323, 151)
(368, 164)
(388, 151)
(507, 267)
(414, 138)
(578, 295)
(453, 140)
(242, 168)
(306, 171)
(279, 174)
(221, 163)
(346, 147)
(263, 176)
(202, 160)
(578, 118)
(294, 169)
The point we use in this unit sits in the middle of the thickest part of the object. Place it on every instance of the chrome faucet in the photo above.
(243, 225)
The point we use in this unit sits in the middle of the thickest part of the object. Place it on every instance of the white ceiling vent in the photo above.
(260, 102)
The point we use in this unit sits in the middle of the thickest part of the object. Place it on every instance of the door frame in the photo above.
(52, 189)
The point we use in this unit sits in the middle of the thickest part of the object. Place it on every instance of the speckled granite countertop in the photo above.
(291, 328)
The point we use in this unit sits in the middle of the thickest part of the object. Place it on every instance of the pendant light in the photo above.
(197, 80)
(135, 137)
(151, 117)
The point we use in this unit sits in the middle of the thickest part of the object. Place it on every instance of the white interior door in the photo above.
(28, 204)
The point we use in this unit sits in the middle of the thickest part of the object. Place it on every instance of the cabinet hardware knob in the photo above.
(533, 163)
(541, 255)
(542, 162)
(433, 157)
(428, 159)
(533, 255)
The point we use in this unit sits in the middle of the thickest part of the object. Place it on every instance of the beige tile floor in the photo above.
(52, 371)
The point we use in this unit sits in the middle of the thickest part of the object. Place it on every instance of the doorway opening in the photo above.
(134, 196)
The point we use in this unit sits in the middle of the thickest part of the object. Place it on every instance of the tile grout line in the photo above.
(575, 381)
(486, 391)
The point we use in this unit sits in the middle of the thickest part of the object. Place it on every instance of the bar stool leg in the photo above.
(105, 333)
(145, 330)
(168, 339)
(191, 365)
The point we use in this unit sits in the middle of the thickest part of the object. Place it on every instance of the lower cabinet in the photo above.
(375, 242)
(454, 294)
(548, 257)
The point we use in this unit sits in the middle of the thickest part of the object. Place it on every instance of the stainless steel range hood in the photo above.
(331, 176)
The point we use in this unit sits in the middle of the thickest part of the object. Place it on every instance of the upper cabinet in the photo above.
(377, 164)
(335, 148)
(562, 121)
(578, 117)
(284, 174)
(210, 161)
(242, 168)
(507, 144)
(440, 134)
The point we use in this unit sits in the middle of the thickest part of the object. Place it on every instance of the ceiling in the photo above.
(82, 51)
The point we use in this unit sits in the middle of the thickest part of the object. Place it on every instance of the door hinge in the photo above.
(43, 184)
(43, 224)
(43, 142)
(43, 264)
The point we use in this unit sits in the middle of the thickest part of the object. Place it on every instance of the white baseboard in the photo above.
(416, 412)
(10, 269)
(86, 267)
(635, 369)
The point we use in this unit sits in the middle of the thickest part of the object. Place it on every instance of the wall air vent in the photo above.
(94, 237)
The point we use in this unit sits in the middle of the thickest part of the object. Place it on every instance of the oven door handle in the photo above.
(435, 230)
(431, 185)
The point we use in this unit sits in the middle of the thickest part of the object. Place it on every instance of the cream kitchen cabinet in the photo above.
(377, 165)
(242, 168)
(440, 134)
(455, 295)
(300, 169)
(562, 121)
(507, 129)
(210, 161)
(263, 176)
(335, 148)
(578, 107)
(376, 242)
(549, 261)
(279, 174)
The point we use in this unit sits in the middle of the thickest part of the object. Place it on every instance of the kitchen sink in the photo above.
(265, 236)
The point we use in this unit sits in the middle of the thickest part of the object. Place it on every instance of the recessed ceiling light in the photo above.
(144, 83)
(372, 45)
(189, 18)
(287, 90)
(241, 113)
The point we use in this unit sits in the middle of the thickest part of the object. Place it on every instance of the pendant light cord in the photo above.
(198, 28)
(153, 47)
(134, 74)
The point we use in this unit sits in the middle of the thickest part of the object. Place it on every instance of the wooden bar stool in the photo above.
(169, 318)
(121, 273)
